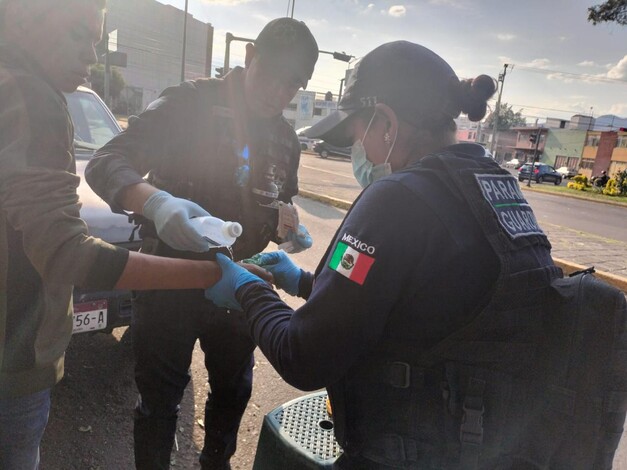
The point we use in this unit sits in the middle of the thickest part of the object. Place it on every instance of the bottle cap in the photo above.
(233, 229)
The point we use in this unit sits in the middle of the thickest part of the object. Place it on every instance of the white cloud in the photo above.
(368, 9)
(587, 63)
(538, 63)
(397, 11)
(619, 109)
(505, 36)
(618, 71)
(561, 77)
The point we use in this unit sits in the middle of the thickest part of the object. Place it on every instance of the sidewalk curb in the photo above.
(567, 266)
(339, 203)
(570, 267)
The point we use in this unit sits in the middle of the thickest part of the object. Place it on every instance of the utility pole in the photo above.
(495, 123)
(535, 138)
(293, 2)
(107, 66)
(184, 43)
(339, 96)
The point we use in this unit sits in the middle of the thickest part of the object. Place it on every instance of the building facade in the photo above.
(151, 35)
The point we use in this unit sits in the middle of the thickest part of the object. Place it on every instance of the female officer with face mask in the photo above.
(409, 265)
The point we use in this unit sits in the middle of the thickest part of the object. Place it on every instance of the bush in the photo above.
(621, 182)
(611, 188)
(578, 183)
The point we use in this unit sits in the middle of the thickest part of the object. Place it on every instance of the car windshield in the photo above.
(92, 124)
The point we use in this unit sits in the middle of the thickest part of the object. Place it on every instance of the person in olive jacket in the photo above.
(46, 48)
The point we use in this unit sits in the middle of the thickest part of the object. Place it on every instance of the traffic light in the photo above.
(533, 137)
(102, 47)
(343, 56)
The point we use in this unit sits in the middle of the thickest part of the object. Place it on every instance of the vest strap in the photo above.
(471, 429)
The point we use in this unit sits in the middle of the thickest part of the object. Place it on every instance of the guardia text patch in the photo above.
(512, 209)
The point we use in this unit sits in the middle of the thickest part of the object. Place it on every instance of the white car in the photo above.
(566, 172)
(513, 163)
(305, 142)
(94, 126)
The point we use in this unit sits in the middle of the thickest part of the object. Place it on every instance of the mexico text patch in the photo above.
(512, 209)
(351, 263)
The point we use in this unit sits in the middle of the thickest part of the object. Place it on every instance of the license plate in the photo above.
(90, 316)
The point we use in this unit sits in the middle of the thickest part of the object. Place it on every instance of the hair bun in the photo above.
(474, 95)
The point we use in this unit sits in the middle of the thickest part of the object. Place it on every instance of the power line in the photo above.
(579, 76)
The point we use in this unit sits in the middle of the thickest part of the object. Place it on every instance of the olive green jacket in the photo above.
(44, 246)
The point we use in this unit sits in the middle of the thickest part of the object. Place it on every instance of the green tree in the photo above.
(611, 10)
(507, 118)
(116, 84)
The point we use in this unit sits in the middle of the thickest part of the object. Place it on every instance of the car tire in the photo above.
(303, 146)
(558, 181)
(521, 179)
(324, 154)
(539, 179)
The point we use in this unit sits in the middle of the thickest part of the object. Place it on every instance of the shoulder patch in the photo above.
(351, 262)
(512, 210)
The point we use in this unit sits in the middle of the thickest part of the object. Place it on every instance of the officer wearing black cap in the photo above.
(437, 232)
(218, 147)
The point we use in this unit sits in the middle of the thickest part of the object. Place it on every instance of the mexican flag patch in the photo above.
(351, 263)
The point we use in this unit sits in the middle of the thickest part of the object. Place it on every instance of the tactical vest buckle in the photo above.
(399, 375)
(471, 430)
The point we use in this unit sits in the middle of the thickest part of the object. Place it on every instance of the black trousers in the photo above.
(165, 328)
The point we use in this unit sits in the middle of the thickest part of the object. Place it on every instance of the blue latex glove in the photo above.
(171, 216)
(233, 277)
(298, 241)
(286, 273)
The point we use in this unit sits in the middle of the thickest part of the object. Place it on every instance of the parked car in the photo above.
(325, 149)
(541, 173)
(513, 163)
(94, 125)
(566, 172)
(306, 143)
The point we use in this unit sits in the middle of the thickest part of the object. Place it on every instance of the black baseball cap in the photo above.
(413, 80)
(288, 43)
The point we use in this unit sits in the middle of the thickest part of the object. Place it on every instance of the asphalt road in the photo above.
(334, 177)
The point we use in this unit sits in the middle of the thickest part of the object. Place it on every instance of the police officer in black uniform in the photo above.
(437, 232)
(218, 147)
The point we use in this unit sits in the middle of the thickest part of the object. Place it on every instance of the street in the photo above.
(334, 177)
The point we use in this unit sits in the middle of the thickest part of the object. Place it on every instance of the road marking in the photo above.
(327, 171)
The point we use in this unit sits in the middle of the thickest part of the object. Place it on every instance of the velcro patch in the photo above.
(512, 210)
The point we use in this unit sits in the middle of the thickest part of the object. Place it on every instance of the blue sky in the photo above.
(562, 65)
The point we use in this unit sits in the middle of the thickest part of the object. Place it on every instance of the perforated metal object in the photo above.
(298, 434)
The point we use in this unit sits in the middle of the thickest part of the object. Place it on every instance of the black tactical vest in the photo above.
(404, 407)
(211, 169)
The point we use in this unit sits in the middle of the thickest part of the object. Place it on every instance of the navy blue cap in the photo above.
(414, 81)
(288, 44)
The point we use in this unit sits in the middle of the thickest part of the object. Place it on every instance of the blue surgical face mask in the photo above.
(364, 170)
